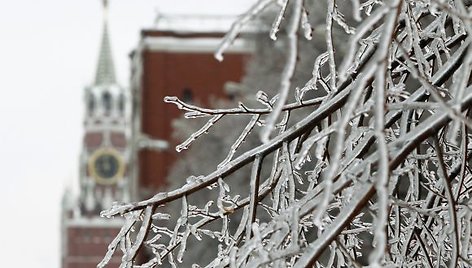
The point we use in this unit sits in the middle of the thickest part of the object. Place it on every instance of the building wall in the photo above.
(87, 245)
(187, 70)
(168, 73)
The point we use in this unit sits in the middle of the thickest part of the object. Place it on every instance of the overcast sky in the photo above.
(48, 53)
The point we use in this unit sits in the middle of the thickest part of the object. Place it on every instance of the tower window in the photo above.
(107, 102)
(121, 104)
(91, 104)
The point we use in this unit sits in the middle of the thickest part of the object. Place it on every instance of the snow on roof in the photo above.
(95, 222)
(197, 23)
(200, 44)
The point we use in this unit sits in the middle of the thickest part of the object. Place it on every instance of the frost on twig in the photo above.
(373, 170)
(288, 71)
(239, 24)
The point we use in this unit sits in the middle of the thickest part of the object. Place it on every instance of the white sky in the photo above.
(48, 53)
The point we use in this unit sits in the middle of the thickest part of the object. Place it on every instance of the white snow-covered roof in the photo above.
(209, 45)
(188, 24)
(95, 222)
(197, 23)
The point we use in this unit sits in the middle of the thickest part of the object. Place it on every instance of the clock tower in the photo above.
(104, 170)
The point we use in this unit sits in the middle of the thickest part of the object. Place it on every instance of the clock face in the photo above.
(106, 166)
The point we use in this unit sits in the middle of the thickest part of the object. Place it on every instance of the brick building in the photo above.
(175, 58)
(127, 147)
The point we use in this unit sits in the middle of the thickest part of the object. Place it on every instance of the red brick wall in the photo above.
(168, 74)
(86, 247)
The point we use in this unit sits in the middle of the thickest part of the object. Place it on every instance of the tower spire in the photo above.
(105, 74)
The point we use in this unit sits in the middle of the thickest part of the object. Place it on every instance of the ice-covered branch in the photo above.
(289, 69)
(380, 158)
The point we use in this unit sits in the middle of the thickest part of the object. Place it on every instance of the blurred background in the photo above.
(48, 56)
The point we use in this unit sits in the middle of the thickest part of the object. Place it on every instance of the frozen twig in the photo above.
(278, 20)
(450, 199)
(254, 193)
(287, 73)
(383, 174)
(238, 25)
(184, 145)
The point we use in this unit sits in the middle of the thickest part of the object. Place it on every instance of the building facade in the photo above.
(127, 148)
(176, 58)
(104, 170)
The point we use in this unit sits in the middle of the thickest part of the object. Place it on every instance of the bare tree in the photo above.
(376, 171)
